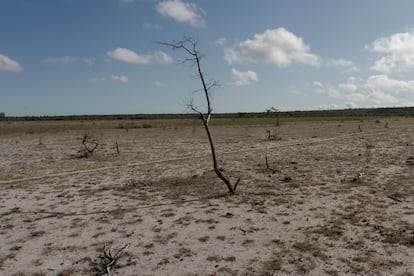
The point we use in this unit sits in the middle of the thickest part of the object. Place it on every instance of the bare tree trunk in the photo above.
(219, 174)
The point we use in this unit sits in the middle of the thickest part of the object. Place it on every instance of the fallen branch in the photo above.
(393, 197)
(108, 261)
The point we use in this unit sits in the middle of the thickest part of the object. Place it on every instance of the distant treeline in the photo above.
(359, 112)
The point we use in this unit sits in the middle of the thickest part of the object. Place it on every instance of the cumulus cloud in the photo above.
(376, 90)
(182, 12)
(351, 85)
(96, 80)
(397, 50)
(243, 78)
(161, 57)
(9, 65)
(278, 46)
(129, 56)
(122, 79)
(384, 83)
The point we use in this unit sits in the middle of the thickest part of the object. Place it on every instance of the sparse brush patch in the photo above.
(37, 233)
(230, 259)
(67, 272)
(214, 258)
(15, 248)
(356, 245)
(204, 239)
(184, 252)
(304, 246)
(397, 236)
(4, 258)
(247, 242)
(331, 230)
(38, 262)
(273, 135)
(270, 267)
(14, 210)
(184, 220)
(369, 145)
(217, 258)
(164, 239)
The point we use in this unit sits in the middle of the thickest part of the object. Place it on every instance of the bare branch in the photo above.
(109, 261)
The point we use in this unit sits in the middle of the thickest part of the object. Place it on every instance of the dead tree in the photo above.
(117, 147)
(88, 146)
(190, 47)
(273, 110)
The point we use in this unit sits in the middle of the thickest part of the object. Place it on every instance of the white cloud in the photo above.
(341, 63)
(161, 57)
(351, 85)
(182, 12)
(9, 65)
(383, 83)
(243, 78)
(96, 80)
(89, 61)
(278, 46)
(67, 60)
(398, 50)
(348, 65)
(122, 79)
(319, 87)
(60, 60)
(377, 90)
(220, 41)
(129, 56)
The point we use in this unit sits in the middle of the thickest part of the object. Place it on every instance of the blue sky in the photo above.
(60, 57)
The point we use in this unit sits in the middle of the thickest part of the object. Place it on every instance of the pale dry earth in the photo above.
(304, 213)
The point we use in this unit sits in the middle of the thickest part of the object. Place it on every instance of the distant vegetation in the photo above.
(360, 112)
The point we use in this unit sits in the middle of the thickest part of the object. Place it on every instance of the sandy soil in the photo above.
(331, 200)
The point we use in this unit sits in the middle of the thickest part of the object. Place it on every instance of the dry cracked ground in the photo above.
(322, 197)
